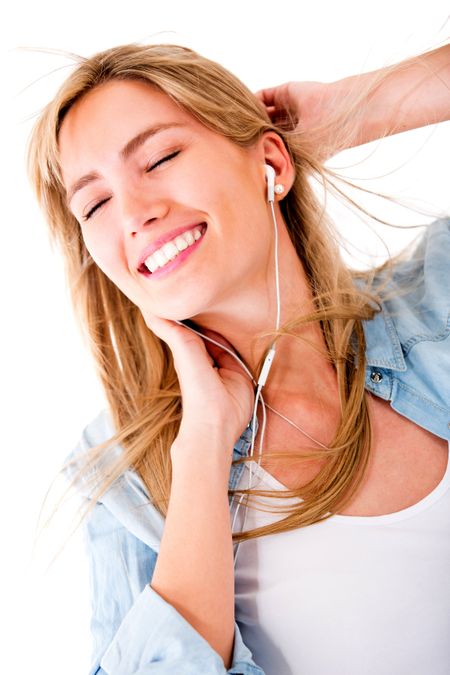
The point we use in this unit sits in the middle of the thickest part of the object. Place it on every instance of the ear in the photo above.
(274, 152)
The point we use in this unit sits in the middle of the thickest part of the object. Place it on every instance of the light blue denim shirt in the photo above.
(134, 630)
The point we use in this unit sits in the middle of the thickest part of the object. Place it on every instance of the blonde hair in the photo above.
(135, 367)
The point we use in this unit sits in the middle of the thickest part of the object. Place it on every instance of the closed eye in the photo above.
(95, 207)
(161, 161)
(99, 204)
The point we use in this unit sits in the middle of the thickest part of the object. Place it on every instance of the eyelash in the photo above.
(94, 208)
(167, 158)
(161, 161)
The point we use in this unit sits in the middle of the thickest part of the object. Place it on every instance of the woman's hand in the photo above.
(217, 394)
(296, 105)
(304, 107)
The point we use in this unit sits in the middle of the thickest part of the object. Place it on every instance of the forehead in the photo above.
(130, 99)
(105, 118)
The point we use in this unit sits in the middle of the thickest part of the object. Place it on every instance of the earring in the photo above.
(279, 188)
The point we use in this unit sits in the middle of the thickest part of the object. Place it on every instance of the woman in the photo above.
(143, 146)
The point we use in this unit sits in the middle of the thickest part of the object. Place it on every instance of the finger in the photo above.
(267, 96)
(220, 356)
(191, 359)
(196, 355)
(272, 113)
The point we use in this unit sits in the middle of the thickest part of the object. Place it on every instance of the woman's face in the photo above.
(136, 168)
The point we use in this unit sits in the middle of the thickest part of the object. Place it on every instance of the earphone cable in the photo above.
(259, 385)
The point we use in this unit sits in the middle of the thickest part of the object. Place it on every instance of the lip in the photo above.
(169, 267)
(151, 248)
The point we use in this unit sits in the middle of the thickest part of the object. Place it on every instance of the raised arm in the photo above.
(414, 93)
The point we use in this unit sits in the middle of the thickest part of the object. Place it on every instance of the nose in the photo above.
(138, 209)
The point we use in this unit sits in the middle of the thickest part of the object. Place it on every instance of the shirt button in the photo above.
(376, 376)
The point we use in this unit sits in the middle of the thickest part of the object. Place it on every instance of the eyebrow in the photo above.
(129, 149)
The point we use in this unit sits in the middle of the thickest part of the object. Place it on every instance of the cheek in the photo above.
(222, 195)
(106, 254)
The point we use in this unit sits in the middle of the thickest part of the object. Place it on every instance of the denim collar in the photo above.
(243, 443)
(383, 347)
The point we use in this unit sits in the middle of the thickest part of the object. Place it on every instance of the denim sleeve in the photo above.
(135, 631)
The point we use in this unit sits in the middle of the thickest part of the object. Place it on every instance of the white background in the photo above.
(49, 387)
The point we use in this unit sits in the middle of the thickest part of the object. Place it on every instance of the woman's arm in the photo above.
(135, 630)
(413, 94)
(195, 567)
(194, 571)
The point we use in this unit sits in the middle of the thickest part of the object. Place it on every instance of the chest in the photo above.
(342, 579)
(406, 463)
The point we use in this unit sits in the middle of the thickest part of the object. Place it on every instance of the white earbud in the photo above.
(270, 176)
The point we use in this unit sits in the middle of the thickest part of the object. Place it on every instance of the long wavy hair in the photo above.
(135, 367)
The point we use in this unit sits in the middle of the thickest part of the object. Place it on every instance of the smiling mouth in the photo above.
(174, 260)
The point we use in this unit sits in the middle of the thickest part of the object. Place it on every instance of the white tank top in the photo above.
(348, 596)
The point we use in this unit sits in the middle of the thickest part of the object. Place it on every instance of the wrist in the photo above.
(195, 454)
(353, 97)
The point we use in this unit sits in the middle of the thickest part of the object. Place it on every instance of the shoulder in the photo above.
(126, 502)
(418, 296)
(408, 341)
(77, 465)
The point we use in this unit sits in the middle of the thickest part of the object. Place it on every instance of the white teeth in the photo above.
(151, 266)
(181, 243)
(189, 237)
(161, 257)
(171, 249)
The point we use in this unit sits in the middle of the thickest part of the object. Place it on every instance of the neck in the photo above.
(300, 369)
